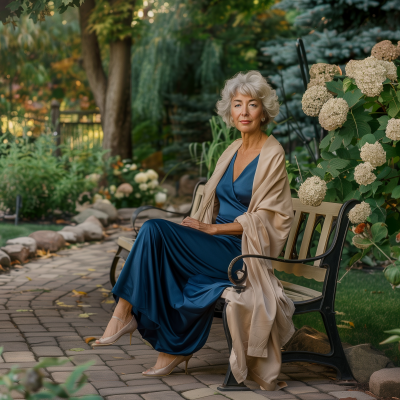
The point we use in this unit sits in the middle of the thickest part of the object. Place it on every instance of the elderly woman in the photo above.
(175, 273)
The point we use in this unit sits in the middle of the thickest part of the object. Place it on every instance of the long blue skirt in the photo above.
(173, 277)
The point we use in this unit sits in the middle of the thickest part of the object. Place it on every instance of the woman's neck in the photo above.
(253, 141)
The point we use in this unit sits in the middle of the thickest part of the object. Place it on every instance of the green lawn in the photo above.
(367, 300)
(10, 231)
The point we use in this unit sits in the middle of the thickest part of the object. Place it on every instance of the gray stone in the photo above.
(385, 382)
(364, 360)
(309, 339)
(106, 207)
(84, 215)
(5, 260)
(91, 231)
(351, 395)
(93, 220)
(170, 189)
(167, 395)
(17, 252)
(48, 240)
(79, 232)
(69, 237)
(26, 242)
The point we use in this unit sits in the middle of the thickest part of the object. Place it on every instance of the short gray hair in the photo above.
(252, 84)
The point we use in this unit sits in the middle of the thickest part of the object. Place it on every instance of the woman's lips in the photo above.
(244, 122)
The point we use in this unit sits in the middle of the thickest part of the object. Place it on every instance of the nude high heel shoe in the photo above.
(130, 327)
(169, 368)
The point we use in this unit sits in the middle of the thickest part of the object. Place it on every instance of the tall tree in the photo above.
(107, 22)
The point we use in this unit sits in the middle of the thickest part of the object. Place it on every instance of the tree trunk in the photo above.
(113, 94)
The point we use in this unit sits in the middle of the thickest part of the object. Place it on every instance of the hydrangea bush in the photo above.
(130, 185)
(360, 155)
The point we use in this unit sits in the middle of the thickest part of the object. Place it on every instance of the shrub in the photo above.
(360, 156)
(46, 182)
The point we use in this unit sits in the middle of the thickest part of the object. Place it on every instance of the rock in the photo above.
(183, 208)
(91, 231)
(106, 207)
(170, 189)
(68, 236)
(309, 339)
(364, 360)
(94, 220)
(79, 233)
(187, 185)
(84, 215)
(125, 188)
(5, 260)
(125, 214)
(385, 382)
(28, 242)
(48, 240)
(17, 252)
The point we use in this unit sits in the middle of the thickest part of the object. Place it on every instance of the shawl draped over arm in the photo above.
(260, 317)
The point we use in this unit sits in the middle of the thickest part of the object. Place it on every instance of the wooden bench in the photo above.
(331, 220)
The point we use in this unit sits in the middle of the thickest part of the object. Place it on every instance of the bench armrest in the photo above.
(145, 208)
(294, 261)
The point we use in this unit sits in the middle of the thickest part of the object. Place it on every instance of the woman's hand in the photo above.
(200, 226)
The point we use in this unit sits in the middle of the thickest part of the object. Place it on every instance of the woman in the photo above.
(175, 273)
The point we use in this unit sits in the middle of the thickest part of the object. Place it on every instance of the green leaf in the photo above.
(379, 232)
(392, 274)
(370, 138)
(362, 241)
(391, 185)
(375, 186)
(352, 97)
(355, 258)
(391, 339)
(396, 192)
(393, 332)
(353, 194)
(347, 82)
(383, 252)
(394, 107)
(326, 140)
(327, 156)
(337, 142)
(384, 173)
(76, 374)
(318, 172)
(390, 151)
(383, 121)
(335, 87)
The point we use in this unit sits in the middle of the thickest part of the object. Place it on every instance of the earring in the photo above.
(263, 119)
(231, 121)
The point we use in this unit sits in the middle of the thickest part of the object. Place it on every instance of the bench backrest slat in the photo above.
(197, 197)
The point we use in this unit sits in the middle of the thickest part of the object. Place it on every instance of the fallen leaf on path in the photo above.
(76, 349)
(1, 268)
(29, 279)
(111, 251)
(126, 229)
(91, 269)
(90, 339)
(15, 262)
(108, 301)
(84, 305)
(23, 310)
(99, 285)
(86, 315)
(104, 290)
(340, 313)
(77, 293)
(61, 304)
(115, 225)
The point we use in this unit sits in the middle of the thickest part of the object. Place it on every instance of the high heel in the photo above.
(169, 368)
(130, 327)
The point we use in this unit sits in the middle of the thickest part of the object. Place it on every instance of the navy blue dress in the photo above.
(174, 274)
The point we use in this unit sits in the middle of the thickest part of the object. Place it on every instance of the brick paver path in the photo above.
(40, 316)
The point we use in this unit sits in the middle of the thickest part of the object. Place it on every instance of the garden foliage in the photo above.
(360, 155)
(30, 383)
(45, 182)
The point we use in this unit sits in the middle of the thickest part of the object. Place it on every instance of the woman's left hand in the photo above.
(200, 226)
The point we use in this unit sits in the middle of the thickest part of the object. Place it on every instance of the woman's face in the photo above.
(246, 113)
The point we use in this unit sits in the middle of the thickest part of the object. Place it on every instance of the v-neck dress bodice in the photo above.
(174, 274)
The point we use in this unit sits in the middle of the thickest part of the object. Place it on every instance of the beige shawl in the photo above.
(260, 317)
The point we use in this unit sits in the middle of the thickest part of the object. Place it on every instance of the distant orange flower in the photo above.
(360, 228)
(398, 238)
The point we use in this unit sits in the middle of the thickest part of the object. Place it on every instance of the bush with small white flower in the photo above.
(360, 154)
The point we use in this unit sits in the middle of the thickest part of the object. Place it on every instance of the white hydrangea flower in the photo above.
(133, 167)
(93, 177)
(112, 189)
(141, 177)
(351, 68)
(391, 69)
(369, 75)
(138, 195)
(313, 100)
(152, 174)
(143, 187)
(359, 245)
(312, 192)
(363, 174)
(97, 197)
(373, 153)
(119, 195)
(153, 184)
(333, 114)
(393, 129)
(160, 197)
(359, 213)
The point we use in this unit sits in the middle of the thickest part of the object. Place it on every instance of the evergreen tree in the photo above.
(333, 32)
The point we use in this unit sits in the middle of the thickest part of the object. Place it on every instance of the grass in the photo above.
(10, 231)
(367, 300)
